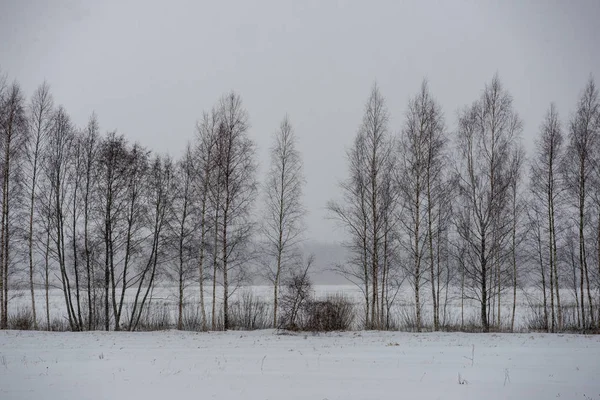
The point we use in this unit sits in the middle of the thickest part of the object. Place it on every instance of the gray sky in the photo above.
(149, 68)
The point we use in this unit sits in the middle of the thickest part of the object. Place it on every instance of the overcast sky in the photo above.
(149, 68)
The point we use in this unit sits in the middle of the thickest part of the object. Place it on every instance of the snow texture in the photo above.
(271, 365)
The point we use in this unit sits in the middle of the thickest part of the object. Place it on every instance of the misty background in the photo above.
(148, 69)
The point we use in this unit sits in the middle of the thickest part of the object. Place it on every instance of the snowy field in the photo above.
(267, 365)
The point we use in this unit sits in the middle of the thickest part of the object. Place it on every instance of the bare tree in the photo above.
(365, 208)
(546, 187)
(40, 123)
(4, 115)
(283, 223)
(378, 151)
(423, 123)
(91, 142)
(75, 183)
(517, 205)
(45, 210)
(13, 137)
(205, 166)
(135, 215)
(352, 214)
(421, 183)
(58, 167)
(535, 221)
(159, 198)
(111, 185)
(238, 187)
(182, 216)
(584, 141)
(486, 139)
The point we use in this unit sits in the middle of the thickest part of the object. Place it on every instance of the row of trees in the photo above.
(456, 212)
(104, 220)
(446, 209)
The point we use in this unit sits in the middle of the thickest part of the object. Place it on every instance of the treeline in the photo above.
(452, 211)
(452, 208)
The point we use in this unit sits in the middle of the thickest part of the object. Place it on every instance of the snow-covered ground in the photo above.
(266, 365)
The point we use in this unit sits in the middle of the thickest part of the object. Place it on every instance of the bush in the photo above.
(59, 325)
(336, 313)
(22, 320)
(295, 297)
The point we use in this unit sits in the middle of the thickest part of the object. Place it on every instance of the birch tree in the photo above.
(421, 186)
(582, 150)
(91, 144)
(238, 187)
(40, 123)
(60, 151)
(485, 141)
(283, 223)
(205, 166)
(547, 187)
(182, 228)
(13, 138)
(364, 211)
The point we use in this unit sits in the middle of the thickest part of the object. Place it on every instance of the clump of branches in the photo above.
(296, 294)
(302, 312)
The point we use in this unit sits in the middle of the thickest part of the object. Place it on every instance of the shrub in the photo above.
(295, 297)
(335, 313)
(59, 325)
(22, 320)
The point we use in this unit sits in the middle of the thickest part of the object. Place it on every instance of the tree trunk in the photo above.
(201, 255)
(514, 265)
(30, 239)
(484, 297)
(556, 277)
(215, 265)
(76, 256)
(543, 273)
(436, 323)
